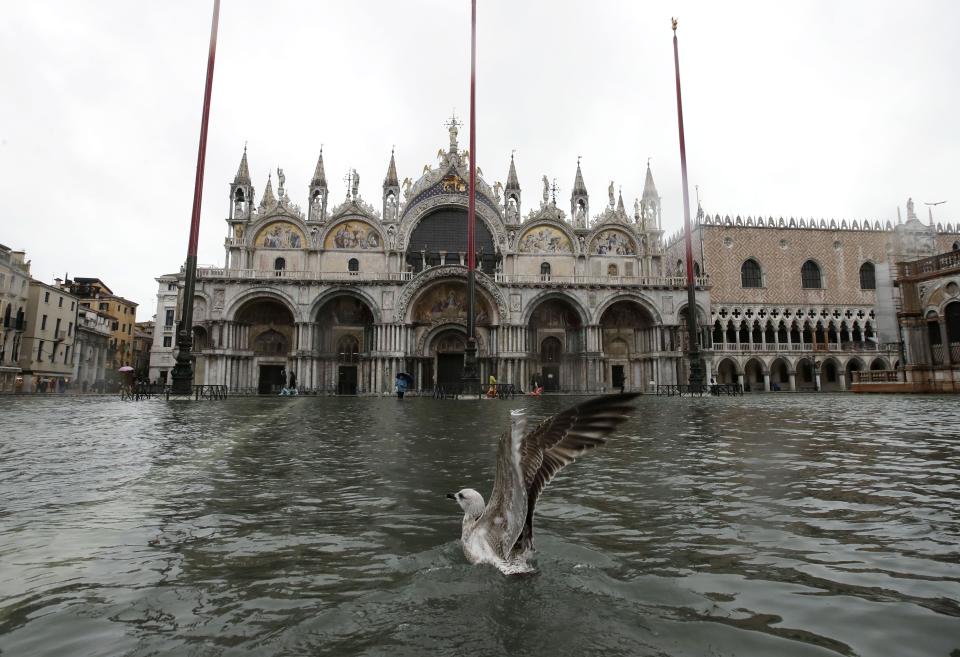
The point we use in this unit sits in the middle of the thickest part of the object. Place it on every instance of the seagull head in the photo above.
(469, 500)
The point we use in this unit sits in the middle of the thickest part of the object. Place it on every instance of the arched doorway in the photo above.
(727, 371)
(344, 335)
(779, 375)
(830, 376)
(448, 349)
(557, 358)
(441, 237)
(269, 334)
(627, 338)
(805, 375)
(753, 376)
(437, 316)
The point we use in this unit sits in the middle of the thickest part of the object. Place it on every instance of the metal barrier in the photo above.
(715, 389)
(457, 390)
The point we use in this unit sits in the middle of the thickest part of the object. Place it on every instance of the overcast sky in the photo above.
(824, 109)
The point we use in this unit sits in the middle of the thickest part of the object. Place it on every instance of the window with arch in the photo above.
(550, 350)
(956, 246)
(544, 271)
(353, 265)
(951, 316)
(348, 349)
(810, 276)
(696, 269)
(750, 274)
(613, 270)
(868, 276)
(279, 265)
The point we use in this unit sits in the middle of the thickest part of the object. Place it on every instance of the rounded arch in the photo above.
(811, 275)
(637, 297)
(443, 229)
(426, 342)
(413, 290)
(868, 276)
(951, 315)
(751, 273)
(543, 236)
(879, 363)
(261, 293)
(780, 371)
(608, 239)
(278, 232)
(702, 314)
(805, 373)
(548, 295)
(830, 370)
(728, 371)
(855, 364)
(756, 363)
(444, 300)
(359, 294)
(352, 233)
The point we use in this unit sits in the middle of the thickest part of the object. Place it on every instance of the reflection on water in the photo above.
(773, 525)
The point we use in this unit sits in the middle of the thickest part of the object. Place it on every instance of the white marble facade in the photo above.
(344, 298)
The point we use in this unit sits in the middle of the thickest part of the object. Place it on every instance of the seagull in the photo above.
(501, 532)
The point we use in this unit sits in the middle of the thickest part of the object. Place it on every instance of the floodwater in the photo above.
(774, 525)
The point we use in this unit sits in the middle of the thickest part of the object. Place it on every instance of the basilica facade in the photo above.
(343, 296)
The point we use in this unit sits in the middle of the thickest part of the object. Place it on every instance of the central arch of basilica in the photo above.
(341, 299)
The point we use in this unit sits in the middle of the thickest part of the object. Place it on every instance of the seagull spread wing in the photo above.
(506, 512)
(557, 442)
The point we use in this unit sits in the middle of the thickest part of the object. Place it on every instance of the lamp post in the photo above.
(471, 375)
(693, 337)
(182, 373)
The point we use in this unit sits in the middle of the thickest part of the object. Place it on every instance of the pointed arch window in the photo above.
(750, 274)
(868, 276)
(810, 276)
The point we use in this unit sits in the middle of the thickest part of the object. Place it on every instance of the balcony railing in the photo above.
(519, 279)
(810, 347)
(933, 264)
(876, 376)
(635, 281)
(291, 274)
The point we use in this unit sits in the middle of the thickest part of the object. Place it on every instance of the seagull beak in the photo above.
(451, 496)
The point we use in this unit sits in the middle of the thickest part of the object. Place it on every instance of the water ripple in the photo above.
(768, 525)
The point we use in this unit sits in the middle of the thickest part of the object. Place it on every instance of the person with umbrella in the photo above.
(402, 382)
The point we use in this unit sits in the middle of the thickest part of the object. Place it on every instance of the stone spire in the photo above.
(391, 191)
(512, 195)
(650, 209)
(579, 200)
(512, 182)
(241, 191)
(318, 192)
(268, 200)
(243, 172)
(620, 209)
(391, 179)
(319, 175)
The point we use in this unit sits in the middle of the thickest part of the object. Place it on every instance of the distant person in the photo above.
(492, 390)
(401, 385)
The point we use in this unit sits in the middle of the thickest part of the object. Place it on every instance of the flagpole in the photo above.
(693, 337)
(471, 377)
(182, 373)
